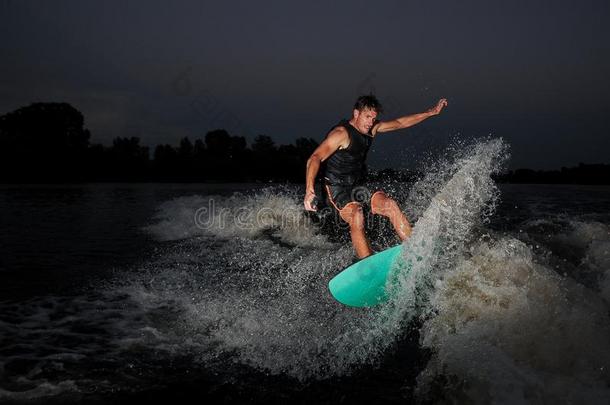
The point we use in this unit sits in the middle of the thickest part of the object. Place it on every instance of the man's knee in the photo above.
(352, 214)
(383, 205)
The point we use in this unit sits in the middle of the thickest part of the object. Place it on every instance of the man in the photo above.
(344, 150)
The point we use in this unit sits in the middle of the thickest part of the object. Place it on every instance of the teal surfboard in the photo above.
(365, 283)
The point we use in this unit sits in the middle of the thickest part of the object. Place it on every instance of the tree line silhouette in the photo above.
(581, 174)
(47, 142)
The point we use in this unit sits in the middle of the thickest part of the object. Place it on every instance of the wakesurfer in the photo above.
(344, 152)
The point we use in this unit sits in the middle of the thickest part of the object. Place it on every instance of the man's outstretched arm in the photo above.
(409, 120)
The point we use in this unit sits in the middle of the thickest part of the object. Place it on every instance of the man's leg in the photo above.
(353, 215)
(383, 205)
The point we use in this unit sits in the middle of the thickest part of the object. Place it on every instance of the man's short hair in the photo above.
(368, 101)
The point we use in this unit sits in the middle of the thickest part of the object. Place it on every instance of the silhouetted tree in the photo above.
(165, 163)
(291, 164)
(186, 149)
(305, 147)
(263, 144)
(218, 142)
(43, 142)
(129, 160)
(226, 156)
(98, 163)
(186, 161)
(199, 160)
(264, 155)
(240, 158)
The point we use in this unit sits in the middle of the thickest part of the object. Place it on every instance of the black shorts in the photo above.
(339, 195)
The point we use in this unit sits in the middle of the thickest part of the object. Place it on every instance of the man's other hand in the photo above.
(308, 202)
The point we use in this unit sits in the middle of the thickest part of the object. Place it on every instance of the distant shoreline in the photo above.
(47, 143)
(583, 174)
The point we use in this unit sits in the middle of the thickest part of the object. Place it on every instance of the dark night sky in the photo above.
(533, 72)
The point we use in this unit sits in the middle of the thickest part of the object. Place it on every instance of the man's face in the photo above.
(364, 119)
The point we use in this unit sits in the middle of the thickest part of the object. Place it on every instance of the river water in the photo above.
(122, 293)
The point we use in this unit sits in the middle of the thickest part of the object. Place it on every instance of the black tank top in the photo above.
(347, 166)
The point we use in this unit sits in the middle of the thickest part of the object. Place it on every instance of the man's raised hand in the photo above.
(442, 103)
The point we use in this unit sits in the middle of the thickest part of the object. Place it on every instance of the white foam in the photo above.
(278, 210)
(591, 239)
(597, 257)
(596, 237)
(277, 315)
(440, 234)
(502, 327)
(515, 331)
